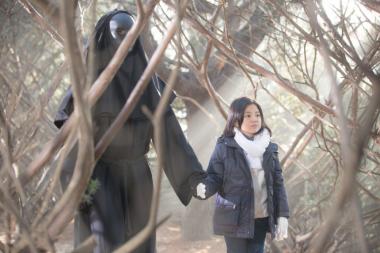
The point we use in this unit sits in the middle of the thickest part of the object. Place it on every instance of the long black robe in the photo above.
(120, 207)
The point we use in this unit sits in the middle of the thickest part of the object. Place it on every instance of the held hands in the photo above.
(281, 229)
(201, 190)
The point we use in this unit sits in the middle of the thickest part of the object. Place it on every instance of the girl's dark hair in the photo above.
(236, 116)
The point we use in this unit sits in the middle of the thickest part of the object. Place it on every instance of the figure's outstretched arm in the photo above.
(180, 163)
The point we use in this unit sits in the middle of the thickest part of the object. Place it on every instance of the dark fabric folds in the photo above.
(120, 207)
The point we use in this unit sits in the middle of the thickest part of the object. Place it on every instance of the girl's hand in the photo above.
(201, 190)
(281, 229)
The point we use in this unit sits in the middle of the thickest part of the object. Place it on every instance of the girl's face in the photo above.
(251, 121)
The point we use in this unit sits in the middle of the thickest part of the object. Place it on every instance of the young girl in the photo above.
(245, 172)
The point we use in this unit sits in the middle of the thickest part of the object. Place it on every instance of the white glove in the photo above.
(281, 229)
(201, 190)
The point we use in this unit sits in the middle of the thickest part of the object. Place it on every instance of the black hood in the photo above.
(115, 96)
(124, 81)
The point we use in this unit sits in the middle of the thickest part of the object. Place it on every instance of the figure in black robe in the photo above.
(120, 207)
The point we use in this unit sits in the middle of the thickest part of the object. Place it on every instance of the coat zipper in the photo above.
(252, 191)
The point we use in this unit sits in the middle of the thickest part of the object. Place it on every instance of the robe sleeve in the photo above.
(181, 165)
(160, 86)
(64, 109)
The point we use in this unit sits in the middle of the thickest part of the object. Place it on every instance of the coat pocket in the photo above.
(227, 211)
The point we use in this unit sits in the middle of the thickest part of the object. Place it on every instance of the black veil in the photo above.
(114, 97)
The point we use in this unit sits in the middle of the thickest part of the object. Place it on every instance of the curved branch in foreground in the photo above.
(64, 210)
(149, 71)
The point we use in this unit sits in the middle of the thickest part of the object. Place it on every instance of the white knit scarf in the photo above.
(253, 148)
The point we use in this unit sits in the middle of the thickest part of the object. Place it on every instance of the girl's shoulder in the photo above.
(272, 147)
(223, 143)
(226, 141)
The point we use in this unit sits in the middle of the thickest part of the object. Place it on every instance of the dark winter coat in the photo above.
(229, 176)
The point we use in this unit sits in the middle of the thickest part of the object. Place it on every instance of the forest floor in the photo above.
(170, 238)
